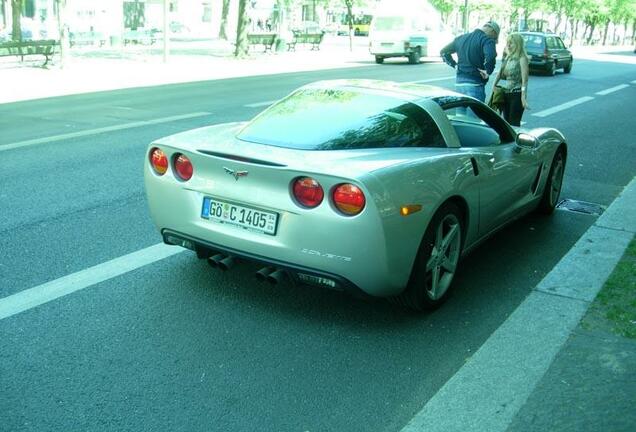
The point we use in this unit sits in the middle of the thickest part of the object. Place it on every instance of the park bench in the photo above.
(306, 38)
(86, 38)
(31, 47)
(265, 39)
(139, 37)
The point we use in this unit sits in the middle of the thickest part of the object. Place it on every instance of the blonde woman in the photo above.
(513, 78)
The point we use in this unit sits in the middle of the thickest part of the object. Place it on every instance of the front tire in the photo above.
(379, 60)
(553, 184)
(436, 262)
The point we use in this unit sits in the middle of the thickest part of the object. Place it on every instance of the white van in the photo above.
(413, 36)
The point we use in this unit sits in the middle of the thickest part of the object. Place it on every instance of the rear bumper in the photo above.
(539, 63)
(298, 273)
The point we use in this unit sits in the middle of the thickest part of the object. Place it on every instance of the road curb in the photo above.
(489, 390)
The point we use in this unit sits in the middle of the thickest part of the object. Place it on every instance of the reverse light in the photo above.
(158, 161)
(307, 192)
(183, 167)
(349, 199)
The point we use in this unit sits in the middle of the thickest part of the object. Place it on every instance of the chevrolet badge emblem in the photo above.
(235, 174)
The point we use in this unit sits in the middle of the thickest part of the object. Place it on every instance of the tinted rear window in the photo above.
(336, 119)
(533, 41)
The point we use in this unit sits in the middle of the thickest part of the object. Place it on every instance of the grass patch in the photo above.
(616, 302)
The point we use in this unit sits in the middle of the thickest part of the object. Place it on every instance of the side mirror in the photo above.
(527, 141)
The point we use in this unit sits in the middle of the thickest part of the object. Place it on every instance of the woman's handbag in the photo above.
(496, 100)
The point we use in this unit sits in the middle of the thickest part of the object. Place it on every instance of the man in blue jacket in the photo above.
(476, 56)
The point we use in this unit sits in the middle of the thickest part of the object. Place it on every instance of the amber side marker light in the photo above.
(410, 209)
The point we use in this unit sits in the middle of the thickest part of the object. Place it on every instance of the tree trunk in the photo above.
(242, 46)
(574, 30)
(558, 22)
(224, 13)
(349, 5)
(63, 29)
(605, 32)
(16, 14)
(589, 37)
(3, 9)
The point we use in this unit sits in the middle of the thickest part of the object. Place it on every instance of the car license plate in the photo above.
(249, 218)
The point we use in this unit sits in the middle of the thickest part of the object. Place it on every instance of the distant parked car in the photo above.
(547, 52)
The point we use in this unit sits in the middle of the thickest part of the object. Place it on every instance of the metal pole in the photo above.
(166, 28)
(465, 17)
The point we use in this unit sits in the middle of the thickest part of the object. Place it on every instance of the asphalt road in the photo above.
(176, 345)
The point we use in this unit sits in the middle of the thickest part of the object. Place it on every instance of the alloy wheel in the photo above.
(556, 181)
(442, 264)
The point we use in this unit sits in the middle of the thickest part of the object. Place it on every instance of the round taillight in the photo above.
(159, 161)
(183, 167)
(308, 192)
(349, 199)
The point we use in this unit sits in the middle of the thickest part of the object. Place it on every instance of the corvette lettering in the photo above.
(326, 255)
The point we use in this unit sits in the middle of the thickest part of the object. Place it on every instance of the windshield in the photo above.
(337, 119)
(386, 23)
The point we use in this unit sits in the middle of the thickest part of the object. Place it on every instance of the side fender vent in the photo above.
(535, 183)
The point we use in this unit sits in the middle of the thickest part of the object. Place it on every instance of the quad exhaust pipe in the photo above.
(270, 275)
(222, 262)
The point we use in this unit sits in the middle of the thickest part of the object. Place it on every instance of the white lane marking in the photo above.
(634, 82)
(431, 80)
(612, 90)
(89, 132)
(260, 104)
(562, 107)
(52, 290)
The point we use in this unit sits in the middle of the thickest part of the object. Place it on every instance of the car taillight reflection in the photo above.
(183, 167)
(158, 161)
(308, 192)
(349, 199)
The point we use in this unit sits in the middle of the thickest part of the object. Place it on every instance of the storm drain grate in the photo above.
(581, 207)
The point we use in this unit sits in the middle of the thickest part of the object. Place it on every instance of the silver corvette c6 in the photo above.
(367, 186)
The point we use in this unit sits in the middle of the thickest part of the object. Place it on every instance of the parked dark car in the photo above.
(547, 52)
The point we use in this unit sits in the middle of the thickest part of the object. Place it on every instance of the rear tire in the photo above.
(568, 68)
(379, 60)
(414, 56)
(552, 189)
(436, 262)
(551, 68)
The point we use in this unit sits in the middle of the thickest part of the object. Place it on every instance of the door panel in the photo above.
(507, 174)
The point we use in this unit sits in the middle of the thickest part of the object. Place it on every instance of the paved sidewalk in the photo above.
(587, 378)
(541, 370)
(89, 70)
